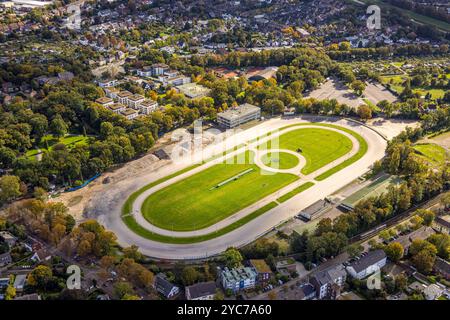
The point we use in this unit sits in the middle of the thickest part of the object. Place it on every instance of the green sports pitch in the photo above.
(221, 190)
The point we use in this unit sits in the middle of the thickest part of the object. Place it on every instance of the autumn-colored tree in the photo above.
(394, 251)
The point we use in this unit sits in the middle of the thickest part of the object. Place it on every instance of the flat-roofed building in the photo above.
(111, 92)
(147, 106)
(234, 117)
(105, 101)
(122, 96)
(129, 113)
(135, 100)
(117, 108)
(238, 279)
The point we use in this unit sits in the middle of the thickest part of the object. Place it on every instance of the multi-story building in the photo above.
(148, 106)
(263, 271)
(130, 114)
(135, 100)
(329, 282)
(117, 108)
(159, 69)
(367, 264)
(442, 224)
(105, 101)
(111, 92)
(234, 117)
(122, 96)
(238, 279)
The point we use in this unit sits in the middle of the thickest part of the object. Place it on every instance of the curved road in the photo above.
(112, 218)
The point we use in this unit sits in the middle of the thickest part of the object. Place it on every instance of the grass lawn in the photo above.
(193, 203)
(396, 84)
(49, 140)
(318, 146)
(138, 229)
(432, 152)
(280, 160)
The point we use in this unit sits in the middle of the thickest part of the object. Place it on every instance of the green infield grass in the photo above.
(280, 160)
(318, 146)
(201, 200)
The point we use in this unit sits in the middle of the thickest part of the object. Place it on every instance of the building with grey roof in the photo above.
(368, 264)
(238, 279)
(165, 287)
(201, 291)
(234, 117)
(329, 282)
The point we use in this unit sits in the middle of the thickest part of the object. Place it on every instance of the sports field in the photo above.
(202, 200)
(221, 190)
(318, 146)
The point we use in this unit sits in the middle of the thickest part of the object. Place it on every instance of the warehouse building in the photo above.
(234, 117)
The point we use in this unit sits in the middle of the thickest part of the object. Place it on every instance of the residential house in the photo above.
(19, 282)
(130, 114)
(201, 291)
(5, 259)
(329, 282)
(41, 255)
(105, 101)
(122, 96)
(135, 100)
(111, 92)
(8, 238)
(308, 291)
(145, 71)
(433, 291)
(442, 267)
(159, 69)
(264, 274)
(165, 287)
(147, 106)
(117, 108)
(442, 224)
(237, 279)
(367, 264)
(4, 282)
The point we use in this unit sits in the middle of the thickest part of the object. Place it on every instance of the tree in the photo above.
(354, 250)
(132, 252)
(445, 200)
(427, 216)
(232, 258)
(189, 276)
(40, 276)
(58, 126)
(10, 293)
(358, 86)
(122, 289)
(394, 251)
(9, 188)
(423, 255)
(364, 112)
(219, 295)
(40, 193)
(442, 243)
